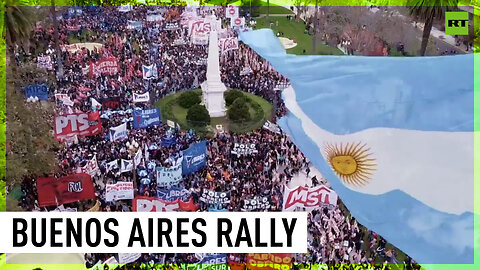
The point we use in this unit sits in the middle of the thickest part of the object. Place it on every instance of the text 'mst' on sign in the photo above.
(456, 23)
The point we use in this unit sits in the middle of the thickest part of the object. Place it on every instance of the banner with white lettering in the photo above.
(257, 203)
(308, 197)
(124, 258)
(167, 177)
(119, 191)
(173, 193)
(91, 167)
(169, 26)
(246, 149)
(215, 197)
(81, 124)
(109, 66)
(134, 25)
(126, 165)
(39, 91)
(272, 127)
(146, 118)
(154, 18)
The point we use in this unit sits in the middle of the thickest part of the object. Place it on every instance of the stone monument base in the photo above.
(212, 97)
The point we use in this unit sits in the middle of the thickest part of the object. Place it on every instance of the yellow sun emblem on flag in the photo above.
(352, 162)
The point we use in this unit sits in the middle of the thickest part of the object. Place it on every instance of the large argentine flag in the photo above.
(394, 137)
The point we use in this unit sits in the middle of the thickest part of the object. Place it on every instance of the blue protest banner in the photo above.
(37, 90)
(174, 193)
(194, 158)
(146, 118)
(169, 141)
(214, 258)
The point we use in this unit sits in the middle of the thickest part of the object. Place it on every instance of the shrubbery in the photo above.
(198, 115)
(231, 96)
(188, 99)
(238, 111)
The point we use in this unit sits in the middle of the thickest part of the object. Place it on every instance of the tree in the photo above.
(429, 11)
(188, 99)
(18, 28)
(198, 115)
(239, 111)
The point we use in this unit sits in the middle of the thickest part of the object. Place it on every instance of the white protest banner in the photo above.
(138, 98)
(231, 12)
(246, 71)
(126, 165)
(138, 157)
(171, 26)
(244, 149)
(272, 127)
(119, 191)
(125, 8)
(228, 44)
(170, 123)
(45, 62)
(112, 165)
(308, 197)
(124, 258)
(91, 167)
(198, 30)
(167, 177)
(237, 22)
(65, 99)
(150, 72)
(154, 18)
(119, 132)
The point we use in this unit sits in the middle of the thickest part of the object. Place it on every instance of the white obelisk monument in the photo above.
(213, 88)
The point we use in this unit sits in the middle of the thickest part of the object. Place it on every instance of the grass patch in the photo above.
(274, 10)
(259, 108)
(296, 31)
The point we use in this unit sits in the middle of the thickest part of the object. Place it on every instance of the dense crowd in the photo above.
(334, 238)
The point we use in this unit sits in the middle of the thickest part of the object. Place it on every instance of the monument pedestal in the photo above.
(213, 88)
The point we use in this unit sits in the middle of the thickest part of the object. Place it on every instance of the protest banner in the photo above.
(146, 118)
(73, 28)
(169, 141)
(91, 167)
(169, 26)
(240, 149)
(167, 177)
(308, 197)
(80, 124)
(199, 29)
(173, 194)
(215, 197)
(67, 189)
(138, 157)
(125, 8)
(194, 158)
(45, 62)
(79, 46)
(64, 98)
(150, 204)
(214, 258)
(134, 25)
(119, 132)
(140, 98)
(269, 261)
(154, 18)
(108, 66)
(126, 165)
(119, 191)
(37, 90)
(227, 44)
(237, 23)
(257, 203)
(62, 208)
(272, 127)
(150, 72)
(231, 12)
(111, 103)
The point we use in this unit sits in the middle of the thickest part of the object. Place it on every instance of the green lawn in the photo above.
(275, 10)
(174, 112)
(296, 31)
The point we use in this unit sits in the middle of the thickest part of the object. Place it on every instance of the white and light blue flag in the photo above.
(394, 136)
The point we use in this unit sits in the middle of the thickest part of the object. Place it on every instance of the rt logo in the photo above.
(456, 23)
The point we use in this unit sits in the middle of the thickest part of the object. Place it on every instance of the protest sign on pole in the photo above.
(119, 191)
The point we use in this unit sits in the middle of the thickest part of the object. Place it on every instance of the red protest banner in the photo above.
(151, 204)
(81, 124)
(258, 261)
(109, 66)
(71, 188)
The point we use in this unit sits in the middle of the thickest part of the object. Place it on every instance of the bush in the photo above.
(231, 96)
(239, 110)
(198, 115)
(188, 99)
